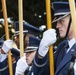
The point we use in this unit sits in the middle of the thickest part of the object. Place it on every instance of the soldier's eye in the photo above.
(61, 21)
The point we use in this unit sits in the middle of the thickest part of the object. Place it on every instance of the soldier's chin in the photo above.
(62, 36)
(30, 64)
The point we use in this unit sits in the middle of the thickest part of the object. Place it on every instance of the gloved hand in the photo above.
(7, 45)
(49, 38)
(21, 66)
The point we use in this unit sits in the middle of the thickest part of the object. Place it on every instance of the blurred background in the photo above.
(34, 12)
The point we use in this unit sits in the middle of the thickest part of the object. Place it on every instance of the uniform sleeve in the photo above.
(40, 62)
(3, 65)
(40, 66)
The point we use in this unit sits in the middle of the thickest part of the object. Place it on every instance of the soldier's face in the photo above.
(16, 40)
(62, 26)
(30, 56)
(25, 40)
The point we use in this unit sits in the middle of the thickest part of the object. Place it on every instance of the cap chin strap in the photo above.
(68, 28)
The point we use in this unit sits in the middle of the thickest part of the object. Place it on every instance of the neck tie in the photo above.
(66, 47)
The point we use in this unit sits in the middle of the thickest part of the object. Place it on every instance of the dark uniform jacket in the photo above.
(4, 69)
(61, 60)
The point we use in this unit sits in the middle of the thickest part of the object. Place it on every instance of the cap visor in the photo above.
(57, 19)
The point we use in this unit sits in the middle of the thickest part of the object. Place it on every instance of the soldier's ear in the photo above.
(13, 59)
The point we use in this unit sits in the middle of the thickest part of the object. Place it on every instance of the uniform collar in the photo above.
(71, 42)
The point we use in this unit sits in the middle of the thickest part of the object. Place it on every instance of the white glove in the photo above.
(75, 68)
(49, 38)
(21, 66)
(7, 45)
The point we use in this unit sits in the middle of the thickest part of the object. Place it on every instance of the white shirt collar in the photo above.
(71, 42)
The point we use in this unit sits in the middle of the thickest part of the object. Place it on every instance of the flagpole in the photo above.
(21, 27)
(20, 5)
(73, 15)
(7, 34)
(49, 25)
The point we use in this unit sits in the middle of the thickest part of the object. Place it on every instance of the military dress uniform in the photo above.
(27, 29)
(41, 66)
(64, 52)
(4, 69)
(72, 67)
(33, 44)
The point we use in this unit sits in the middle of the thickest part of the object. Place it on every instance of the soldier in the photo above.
(30, 53)
(7, 45)
(66, 48)
(29, 30)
